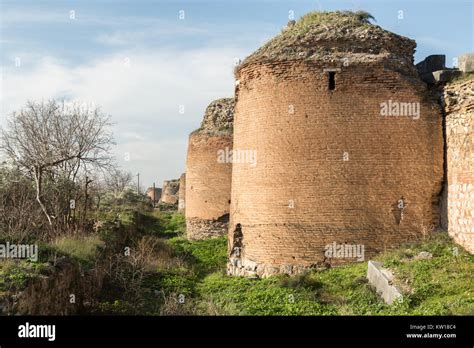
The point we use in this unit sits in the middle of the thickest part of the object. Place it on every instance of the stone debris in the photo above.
(423, 255)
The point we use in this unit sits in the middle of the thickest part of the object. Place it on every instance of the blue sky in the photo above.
(140, 62)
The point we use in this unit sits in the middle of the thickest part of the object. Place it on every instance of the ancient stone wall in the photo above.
(182, 193)
(169, 193)
(327, 165)
(459, 100)
(156, 196)
(208, 172)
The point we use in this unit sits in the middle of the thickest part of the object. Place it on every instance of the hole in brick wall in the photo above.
(223, 218)
(237, 241)
(331, 80)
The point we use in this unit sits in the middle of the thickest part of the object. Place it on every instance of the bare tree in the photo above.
(118, 181)
(19, 215)
(48, 138)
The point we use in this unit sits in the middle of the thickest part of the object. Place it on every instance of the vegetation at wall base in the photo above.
(192, 281)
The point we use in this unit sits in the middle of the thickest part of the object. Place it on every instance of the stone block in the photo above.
(445, 75)
(438, 76)
(422, 255)
(466, 62)
(431, 63)
(381, 279)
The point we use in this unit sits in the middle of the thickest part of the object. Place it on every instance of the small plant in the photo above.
(83, 248)
(207, 255)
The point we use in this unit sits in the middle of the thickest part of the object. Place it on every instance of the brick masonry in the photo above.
(182, 194)
(208, 180)
(329, 167)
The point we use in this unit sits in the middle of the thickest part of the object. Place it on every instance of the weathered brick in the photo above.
(302, 132)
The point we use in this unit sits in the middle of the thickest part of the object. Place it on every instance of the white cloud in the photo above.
(142, 91)
(30, 15)
(122, 38)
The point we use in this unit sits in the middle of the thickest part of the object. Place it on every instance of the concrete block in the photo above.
(382, 279)
(466, 62)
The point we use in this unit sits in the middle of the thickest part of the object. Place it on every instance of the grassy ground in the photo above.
(166, 274)
(190, 279)
(15, 273)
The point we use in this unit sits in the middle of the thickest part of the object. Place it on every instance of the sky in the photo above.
(154, 66)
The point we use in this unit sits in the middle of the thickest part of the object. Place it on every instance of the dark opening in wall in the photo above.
(331, 80)
(237, 242)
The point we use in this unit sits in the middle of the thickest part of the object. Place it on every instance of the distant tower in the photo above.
(348, 142)
(156, 196)
(208, 172)
(182, 193)
(169, 193)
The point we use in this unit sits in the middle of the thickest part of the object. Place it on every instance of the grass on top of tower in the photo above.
(334, 18)
(304, 37)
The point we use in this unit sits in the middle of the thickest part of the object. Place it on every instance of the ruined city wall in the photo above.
(154, 196)
(207, 186)
(169, 193)
(208, 172)
(182, 193)
(329, 167)
(459, 101)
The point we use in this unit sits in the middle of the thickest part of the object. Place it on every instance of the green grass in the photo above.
(242, 296)
(14, 274)
(205, 255)
(442, 285)
(164, 224)
(180, 281)
(84, 249)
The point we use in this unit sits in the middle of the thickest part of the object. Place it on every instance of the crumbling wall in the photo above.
(154, 196)
(459, 107)
(350, 175)
(208, 172)
(182, 193)
(169, 193)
